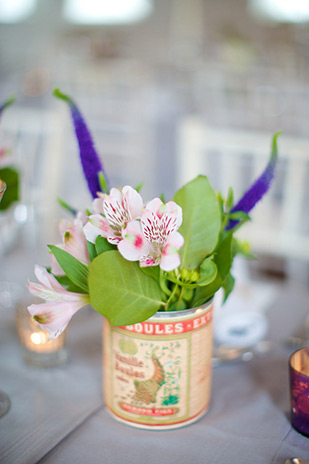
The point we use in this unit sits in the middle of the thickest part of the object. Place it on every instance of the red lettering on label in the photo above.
(178, 327)
(196, 323)
(170, 328)
(147, 411)
(159, 329)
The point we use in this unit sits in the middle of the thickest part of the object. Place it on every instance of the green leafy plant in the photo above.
(129, 259)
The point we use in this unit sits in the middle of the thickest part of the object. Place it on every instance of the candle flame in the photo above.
(38, 338)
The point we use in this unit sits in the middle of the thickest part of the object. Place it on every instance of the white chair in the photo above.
(280, 225)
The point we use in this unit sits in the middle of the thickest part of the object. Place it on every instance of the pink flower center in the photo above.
(138, 243)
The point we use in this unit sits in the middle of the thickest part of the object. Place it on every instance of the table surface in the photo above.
(57, 415)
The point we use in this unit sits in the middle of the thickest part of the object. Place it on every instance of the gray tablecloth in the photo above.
(57, 415)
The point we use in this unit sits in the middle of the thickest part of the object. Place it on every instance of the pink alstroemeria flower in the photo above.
(55, 314)
(118, 209)
(154, 240)
(74, 241)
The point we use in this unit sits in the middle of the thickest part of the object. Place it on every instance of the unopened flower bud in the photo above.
(185, 274)
(194, 276)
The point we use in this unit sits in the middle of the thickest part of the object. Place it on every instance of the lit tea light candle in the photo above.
(38, 348)
(38, 337)
(41, 343)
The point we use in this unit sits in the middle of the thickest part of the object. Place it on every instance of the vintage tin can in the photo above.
(157, 374)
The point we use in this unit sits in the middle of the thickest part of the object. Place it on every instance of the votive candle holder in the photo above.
(38, 349)
(299, 389)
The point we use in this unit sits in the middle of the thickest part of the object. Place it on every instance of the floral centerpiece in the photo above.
(131, 259)
(9, 176)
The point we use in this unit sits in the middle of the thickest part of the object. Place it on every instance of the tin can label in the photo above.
(158, 373)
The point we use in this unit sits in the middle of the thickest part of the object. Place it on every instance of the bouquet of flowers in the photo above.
(9, 177)
(129, 259)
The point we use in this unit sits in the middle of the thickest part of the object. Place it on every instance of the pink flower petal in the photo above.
(115, 194)
(176, 240)
(114, 240)
(64, 224)
(82, 217)
(97, 204)
(114, 212)
(176, 210)
(47, 279)
(133, 245)
(154, 205)
(41, 291)
(151, 226)
(170, 208)
(169, 225)
(55, 316)
(97, 225)
(170, 258)
(146, 261)
(132, 202)
(169, 262)
(56, 269)
(75, 243)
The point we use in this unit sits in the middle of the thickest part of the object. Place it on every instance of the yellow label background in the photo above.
(185, 360)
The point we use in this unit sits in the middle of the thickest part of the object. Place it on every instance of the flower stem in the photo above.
(171, 296)
(180, 298)
(163, 286)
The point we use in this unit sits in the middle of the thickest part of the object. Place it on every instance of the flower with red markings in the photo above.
(117, 210)
(154, 239)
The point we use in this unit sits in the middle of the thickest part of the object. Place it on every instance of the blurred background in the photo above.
(169, 89)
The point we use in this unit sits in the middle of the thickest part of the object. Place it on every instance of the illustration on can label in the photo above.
(155, 369)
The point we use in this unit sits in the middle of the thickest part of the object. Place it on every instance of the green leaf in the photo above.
(67, 206)
(208, 272)
(187, 294)
(228, 285)
(139, 187)
(223, 259)
(178, 306)
(68, 284)
(230, 199)
(8, 102)
(57, 93)
(121, 291)
(102, 182)
(163, 284)
(242, 248)
(102, 245)
(201, 221)
(11, 178)
(91, 250)
(76, 271)
(152, 271)
(239, 215)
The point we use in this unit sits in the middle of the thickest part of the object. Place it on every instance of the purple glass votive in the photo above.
(299, 388)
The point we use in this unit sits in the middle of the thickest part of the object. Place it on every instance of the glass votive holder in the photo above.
(299, 389)
(38, 349)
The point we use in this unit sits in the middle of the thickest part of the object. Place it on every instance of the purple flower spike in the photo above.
(7, 103)
(90, 160)
(258, 189)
